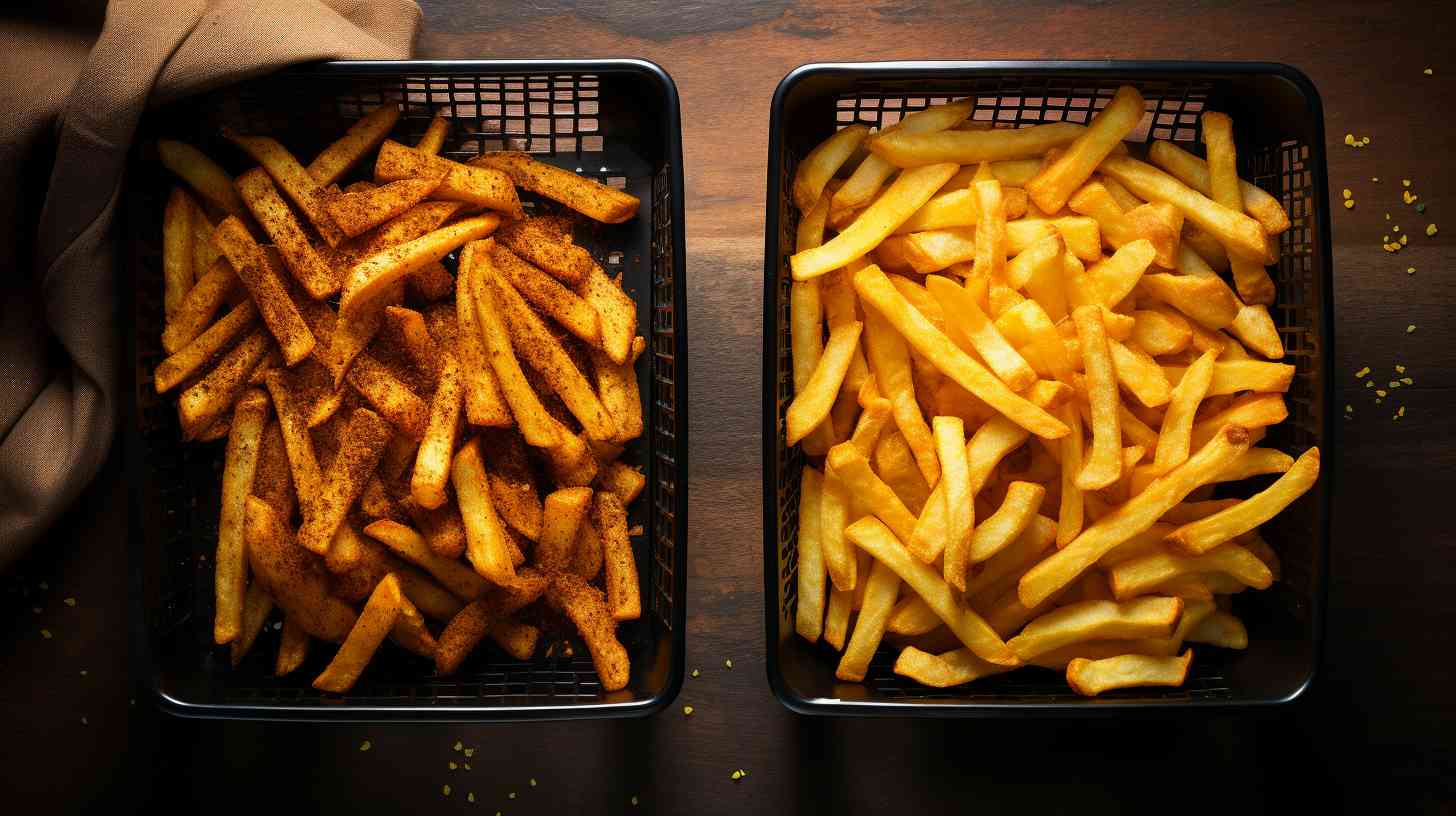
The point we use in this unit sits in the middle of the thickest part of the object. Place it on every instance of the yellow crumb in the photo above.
(1346, 192)
(365, 745)
(1362, 372)
(1380, 392)
(687, 711)
(1349, 138)
(1400, 369)
(45, 633)
(445, 790)
(1431, 229)
(1349, 204)
(1410, 329)
(1405, 182)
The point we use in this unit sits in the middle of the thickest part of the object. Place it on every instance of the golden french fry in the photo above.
(972, 146)
(874, 537)
(1071, 514)
(289, 175)
(871, 173)
(624, 481)
(1255, 328)
(562, 514)
(586, 560)
(1140, 374)
(1038, 270)
(960, 514)
(1206, 247)
(990, 229)
(587, 609)
(463, 582)
(1144, 573)
(819, 166)
(1001, 528)
(809, 614)
(1193, 172)
(230, 573)
(1233, 376)
(407, 326)
(272, 300)
(409, 629)
(205, 401)
(881, 587)
(911, 617)
(1103, 464)
(550, 297)
(434, 136)
(889, 359)
(839, 555)
(370, 630)
(587, 196)
(362, 445)
(292, 647)
(486, 187)
(515, 638)
(1160, 332)
(186, 361)
(1114, 278)
(1252, 411)
(617, 310)
(432, 462)
(1137, 514)
(1200, 536)
(958, 208)
(372, 278)
(288, 573)
(811, 405)
(901, 199)
(1257, 462)
(1175, 436)
(389, 396)
(361, 137)
(531, 239)
(358, 212)
(1097, 620)
(1206, 300)
(215, 284)
(202, 174)
(975, 330)
(484, 404)
(619, 566)
(1241, 235)
(895, 463)
(487, 546)
(293, 425)
(512, 483)
(462, 634)
(952, 668)
(617, 387)
(1055, 183)
(877, 291)
(871, 493)
(178, 274)
(1252, 280)
(1092, 677)
(836, 617)
(806, 329)
(1220, 629)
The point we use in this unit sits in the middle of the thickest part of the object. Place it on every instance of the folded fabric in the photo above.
(75, 113)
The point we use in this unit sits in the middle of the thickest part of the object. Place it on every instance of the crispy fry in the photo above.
(617, 310)
(485, 405)
(550, 297)
(487, 546)
(1200, 536)
(958, 208)
(1193, 172)
(432, 462)
(881, 587)
(358, 212)
(1137, 514)
(207, 399)
(950, 446)
(362, 445)
(391, 398)
(809, 612)
(1161, 332)
(1144, 573)
(290, 575)
(1220, 629)
(819, 166)
(623, 480)
(1174, 439)
(1097, 620)
(533, 241)
(587, 609)
(431, 598)
(609, 520)
(1252, 411)
(562, 515)
(1241, 235)
(293, 424)
(376, 275)
(482, 186)
(362, 137)
(618, 389)
(889, 358)
(990, 229)
(463, 582)
(256, 606)
(812, 403)
(1092, 677)
(839, 556)
(872, 173)
(974, 330)
(370, 630)
(461, 635)
(291, 177)
(292, 647)
(1255, 328)
(186, 361)
(515, 638)
(870, 492)
(434, 136)
(998, 531)
(273, 303)
(240, 465)
(177, 261)
(1103, 464)
(946, 670)
(199, 305)
(587, 196)
(1253, 282)
(202, 174)
(1205, 299)
(972, 146)
(1055, 183)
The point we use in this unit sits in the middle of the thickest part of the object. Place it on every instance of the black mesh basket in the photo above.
(1279, 124)
(613, 120)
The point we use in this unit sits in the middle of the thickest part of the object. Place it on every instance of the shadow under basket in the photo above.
(612, 120)
(1279, 126)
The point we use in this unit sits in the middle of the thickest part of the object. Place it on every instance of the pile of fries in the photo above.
(372, 445)
(1014, 435)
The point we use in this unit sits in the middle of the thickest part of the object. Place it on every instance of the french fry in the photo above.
(1241, 235)
(1257, 462)
(889, 359)
(876, 290)
(809, 613)
(485, 404)
(617, 387)
(1206, 247)
(950, 447)
(461, 635)
(407, 326)
(958, 208)
(230, 564)
(272, 481)
(1160, 332)
(1253, 282)
(1220, 629)
(1092, 677)
(1097, 620)
(487, 546)
(206, 400)
(291, 176)
(562, 514)
(1056, 182)
(293, 424)
(895, 463)
(533, 241)
(256, 606)
(1144, 573)
(953, 668)
(871, 174)
(839, 555)
(272, 300)
(188, 360)
(907, 194)
(990, 229)
(389, 396)
(586, 560)
(363, 443)
(587, 609)
(370, 630)
(1140, 374)
(874, 537)
(1206, 300)
(428, 596)
(616, 309)
(433, 138)
(871, 493)
(372, 278)
(287, 572)
(1233, 376)
(1038, 270)
(1103, 464)
(1114, 278)
(1001, 528)
(973, 329)
(177, 261)
(482, 186)
(432, 462)
(550, 297)
(1175, 436)
(881, 586)
(198, 307)
(1193, 172)
(1137, 514)
(1072, 510)
(1200, 536)
(587, 196)
(1255, 328)
(972, 146)
(462, 581)
(292, 647)
(912, 617)
(361, 137)
(358, 212)
(811, 404)
(623, 481)
(819, 166)
(609, 520)
(202, 174)
(836, 617)
(1252, 411)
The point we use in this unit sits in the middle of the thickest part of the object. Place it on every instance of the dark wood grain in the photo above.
(1382, 706)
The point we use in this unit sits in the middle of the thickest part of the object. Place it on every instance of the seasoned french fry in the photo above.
(188, 360)
(178, 274)
(432, 463)
(370, 630)
(550, 297)
(358, 212)
(362, 445)
(431, 598)
(487, 546)
(207, 399)
(389, 396)
(362, 137)
(563, 512)
(256, 606)
(609, 520)
(214, 286)
(819, 166)
(587, 609)
(616, 309)
(1200, 536)
(972, 146)
(485, 405)
(462, 581)
(482, 186)
(1092, 677)
(1055, 183)
(377, 274)
(291, 176)
(272, 300)
(533, 241)
(230, 564)
(1193, 172)
(587, 196)
(960, 514)
(618, 390)
(624, 481)
(202, 174)
(434, 137)
(1137, 514)
(292, 647)
(287, 572)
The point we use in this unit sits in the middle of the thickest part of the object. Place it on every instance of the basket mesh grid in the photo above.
(1173, 108)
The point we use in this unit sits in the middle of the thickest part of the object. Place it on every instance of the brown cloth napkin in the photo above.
(75, 113)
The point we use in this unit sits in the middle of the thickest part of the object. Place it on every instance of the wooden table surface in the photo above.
(1378, 719)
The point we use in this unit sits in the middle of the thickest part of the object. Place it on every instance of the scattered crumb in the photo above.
(1431, 229)
(1349, 204)
(1428, 72)
(45, 633)
(1369, 383)
(453, 766)
(1401, 412)
(1410, 270)
(533, 781)
(44, 585)
(736, 775)
(70, 602)
(1375, 179)
(1408, 197)
(687, 711)
(696, 672)
(1380, 392)
(1362, 372)
(1395, 383)
(1421, 208)
(1407, 381)
(1410, 329)
(1346, 192)
(470, 797)
(85, 721)
(729, 661)
(634, 801)
(1349, 409)
(83, 672)
(1395, 228)
(1350, 139)
(469, 752)
(365, 745)
(445, 790)
(35, 609)
(1405, 182)
(459, 745)
(465, 765)
(1404, 239)
(1400, 369)
(511, 795)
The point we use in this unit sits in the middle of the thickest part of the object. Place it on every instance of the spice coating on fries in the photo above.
(387, 452)
(1096, 385)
